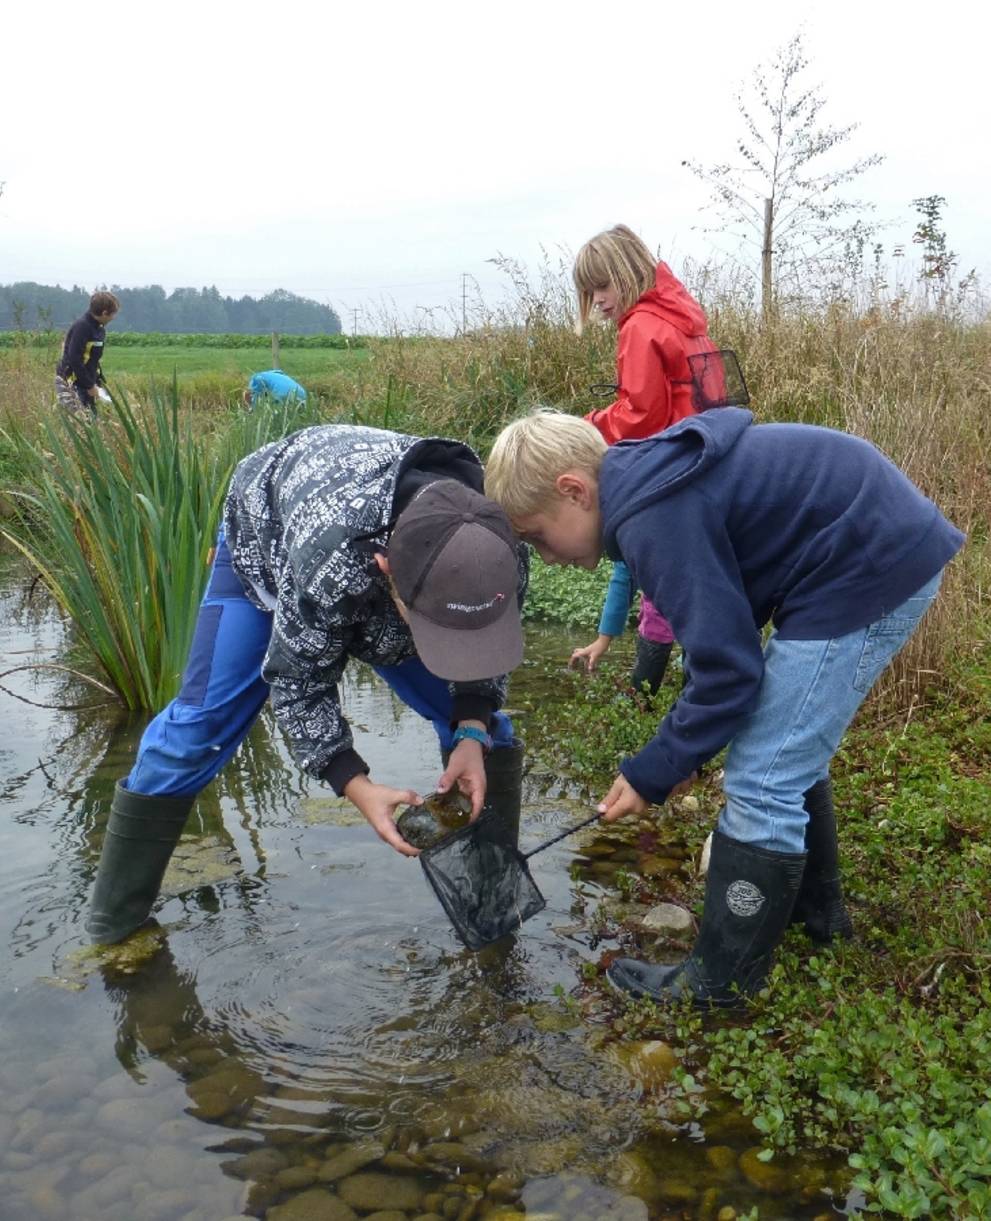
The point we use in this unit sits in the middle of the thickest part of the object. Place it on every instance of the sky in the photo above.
(377, 156)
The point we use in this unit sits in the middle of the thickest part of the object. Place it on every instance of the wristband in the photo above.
(476, 735)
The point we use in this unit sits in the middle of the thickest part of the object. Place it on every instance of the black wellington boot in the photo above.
(504, 787)
(140, 837)
(650, 665)
(819, 905)
(749, 893)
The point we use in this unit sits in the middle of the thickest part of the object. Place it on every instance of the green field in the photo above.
(161, 362)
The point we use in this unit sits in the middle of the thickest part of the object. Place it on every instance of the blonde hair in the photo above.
(530, 454)
(616, 259)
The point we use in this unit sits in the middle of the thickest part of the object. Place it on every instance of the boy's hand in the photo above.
(591, 654)
(378, 802)
(621, 799)
(466, 767)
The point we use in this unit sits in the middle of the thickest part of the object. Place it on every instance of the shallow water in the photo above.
(305, 1037)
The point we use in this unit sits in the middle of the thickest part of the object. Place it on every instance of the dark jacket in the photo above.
(82, 351)
(810, 529)
(303, 520)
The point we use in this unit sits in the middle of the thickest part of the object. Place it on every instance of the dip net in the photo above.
(717, 380)
(483, 881)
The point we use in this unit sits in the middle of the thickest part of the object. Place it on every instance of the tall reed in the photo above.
(118, 519)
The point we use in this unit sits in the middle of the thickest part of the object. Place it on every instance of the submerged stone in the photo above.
(203, 861)
(722, 1159)
(436, 816)
(126, 957)
(668, 918)
(370, 1191)
(330, 811)
(317, 1204)
(650, 1063)
(349, 1160)
(765, 1176)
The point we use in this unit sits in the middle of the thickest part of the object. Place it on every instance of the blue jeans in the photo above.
(809, 694)
(223, 691)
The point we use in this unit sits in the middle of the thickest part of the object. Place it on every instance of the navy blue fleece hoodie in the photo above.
(726, 525)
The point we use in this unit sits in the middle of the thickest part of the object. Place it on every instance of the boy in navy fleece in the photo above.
(78, 376)
(808, 529)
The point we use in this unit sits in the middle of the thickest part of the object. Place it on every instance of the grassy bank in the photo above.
(876, 1047)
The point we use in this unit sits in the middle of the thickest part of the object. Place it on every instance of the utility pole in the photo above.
(464, 302)
(355, 311)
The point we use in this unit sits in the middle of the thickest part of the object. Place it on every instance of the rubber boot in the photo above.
(141, 835)
(819, 905)
(504, 787)
(749, 894)
(650, 665)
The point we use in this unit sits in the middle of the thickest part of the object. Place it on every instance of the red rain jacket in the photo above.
(656, 337)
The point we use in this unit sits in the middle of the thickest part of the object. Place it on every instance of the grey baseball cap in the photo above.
(452, 556)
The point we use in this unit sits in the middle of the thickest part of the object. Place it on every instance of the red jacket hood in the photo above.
(671, 301)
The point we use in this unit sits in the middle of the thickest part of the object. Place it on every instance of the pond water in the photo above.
(303, 1037)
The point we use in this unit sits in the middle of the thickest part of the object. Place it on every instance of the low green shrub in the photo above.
(571, 596)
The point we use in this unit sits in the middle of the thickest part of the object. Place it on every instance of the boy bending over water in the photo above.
(808, 529)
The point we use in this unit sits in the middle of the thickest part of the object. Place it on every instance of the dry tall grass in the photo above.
(915, 382)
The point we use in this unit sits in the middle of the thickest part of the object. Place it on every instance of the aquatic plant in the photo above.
(119, 520)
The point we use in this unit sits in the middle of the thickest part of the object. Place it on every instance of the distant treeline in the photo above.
(163, 339)
(29, 306)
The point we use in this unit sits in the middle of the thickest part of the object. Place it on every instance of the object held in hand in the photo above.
(483, 880)
(436, 816)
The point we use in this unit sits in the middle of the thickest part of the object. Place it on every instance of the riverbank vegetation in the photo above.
(875, 1047)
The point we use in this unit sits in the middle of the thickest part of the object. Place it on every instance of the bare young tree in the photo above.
(781, 196)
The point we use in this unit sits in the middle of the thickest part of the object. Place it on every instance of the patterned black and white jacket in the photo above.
(303, 519)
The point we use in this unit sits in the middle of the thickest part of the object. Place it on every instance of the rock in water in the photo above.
(436, 816)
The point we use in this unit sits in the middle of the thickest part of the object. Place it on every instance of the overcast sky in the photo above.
(373, 153)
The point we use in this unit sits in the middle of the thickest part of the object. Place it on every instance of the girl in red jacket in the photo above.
(660, 325)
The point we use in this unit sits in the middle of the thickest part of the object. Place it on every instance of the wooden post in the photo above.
(275, 350)
(766, 278)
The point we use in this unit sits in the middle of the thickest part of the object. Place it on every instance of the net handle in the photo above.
(561, 835)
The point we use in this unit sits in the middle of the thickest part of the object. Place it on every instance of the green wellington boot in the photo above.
(819, 905)
(141, 835)
(651, 665)
(504, 787)
(749, 893)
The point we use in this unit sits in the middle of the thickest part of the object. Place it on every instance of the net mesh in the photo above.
(482, 881)
(717, 380)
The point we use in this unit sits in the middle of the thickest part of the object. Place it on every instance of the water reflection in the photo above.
(304, 1031)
